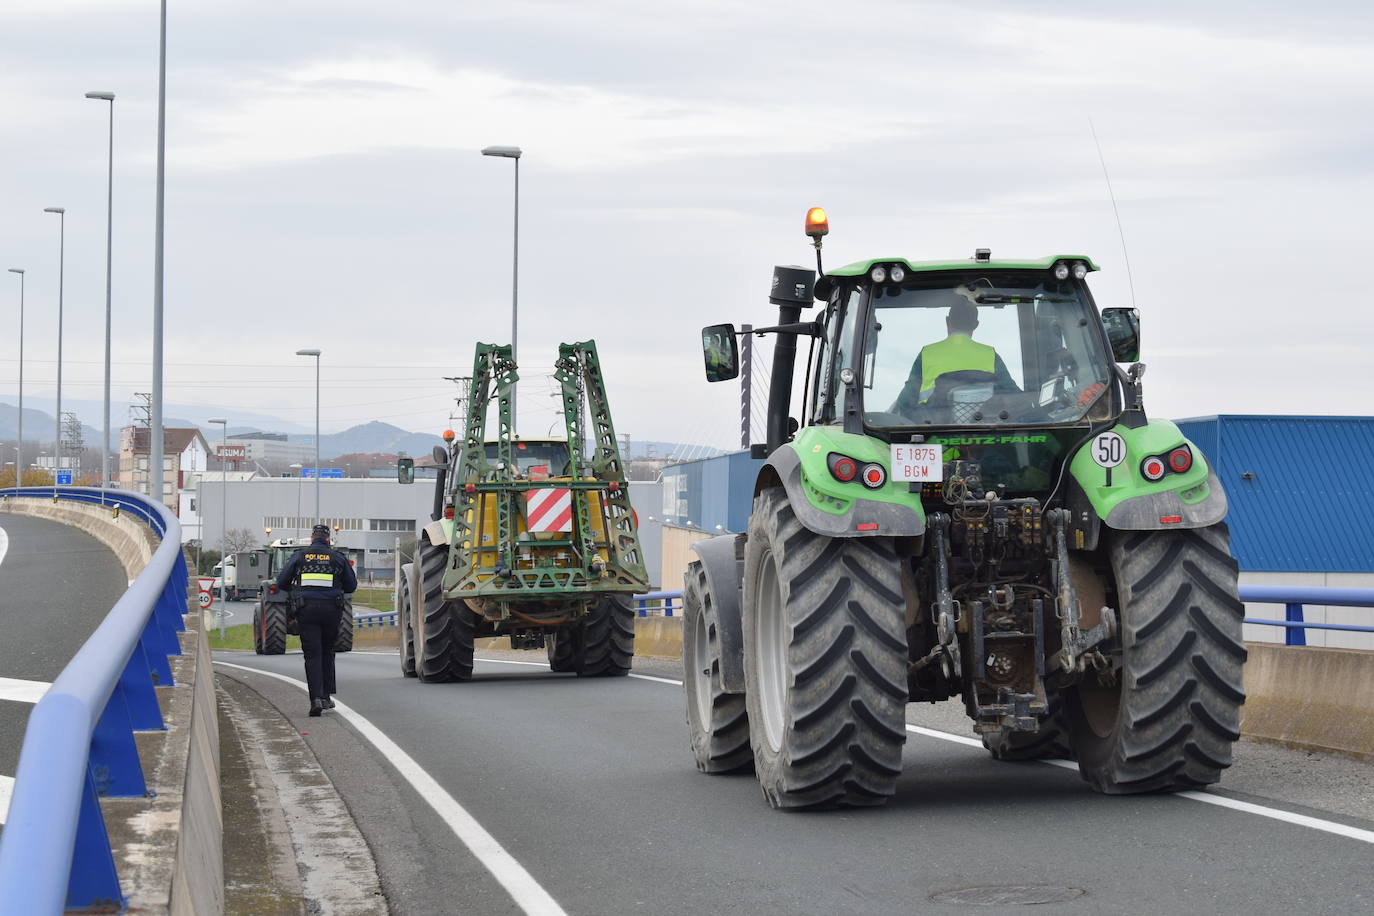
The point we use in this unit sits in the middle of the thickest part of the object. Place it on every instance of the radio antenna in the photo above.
(1119, 231)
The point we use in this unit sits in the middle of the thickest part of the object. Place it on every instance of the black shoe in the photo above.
(316, 707)
(328, 702)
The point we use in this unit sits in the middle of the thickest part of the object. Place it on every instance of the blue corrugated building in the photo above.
(1301, 489)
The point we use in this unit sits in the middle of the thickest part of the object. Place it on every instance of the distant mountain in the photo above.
(38, 426)
(373, 438)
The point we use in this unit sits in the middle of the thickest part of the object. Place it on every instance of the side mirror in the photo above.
(440, 456)
(1123, 333)
(405, 470)
(721, 352)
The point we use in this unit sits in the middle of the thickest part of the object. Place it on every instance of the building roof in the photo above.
(174, 439)
(1301, 488)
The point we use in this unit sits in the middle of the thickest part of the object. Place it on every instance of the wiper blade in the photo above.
(994, 296)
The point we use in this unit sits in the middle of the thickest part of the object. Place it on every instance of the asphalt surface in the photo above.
(57, 583)
(590, 786)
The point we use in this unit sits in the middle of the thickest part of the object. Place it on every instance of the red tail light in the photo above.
(1153, 468)
(1180, 459)
(448, 512)
(272, 589)
(874, 476)
(842, 467)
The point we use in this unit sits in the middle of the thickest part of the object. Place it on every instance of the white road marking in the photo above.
(519, 883)
(6, 790)
(4, 544)
(1221, 801)
(22, 691)
(544, 665)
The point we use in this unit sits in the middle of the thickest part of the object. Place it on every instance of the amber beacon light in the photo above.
(816, 223)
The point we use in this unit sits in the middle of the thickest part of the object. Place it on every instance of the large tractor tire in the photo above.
(344, 641)
(602, 644)
(443, 629)
(270, 631)
(608, 638)
(257, 628)
(825, 661)
(718, 721)
(1169, 720)
(1051, 739)
(403, 621)
(564, 647)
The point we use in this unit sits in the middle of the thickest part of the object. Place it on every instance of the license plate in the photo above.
(917, 463)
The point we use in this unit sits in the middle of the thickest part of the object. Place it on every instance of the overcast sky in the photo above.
(324, 187)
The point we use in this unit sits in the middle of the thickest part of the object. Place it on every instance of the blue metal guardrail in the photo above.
(1293, 597)
(79, 745)
(667, 603)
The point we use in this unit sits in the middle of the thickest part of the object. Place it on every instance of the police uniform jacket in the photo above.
(323, 572)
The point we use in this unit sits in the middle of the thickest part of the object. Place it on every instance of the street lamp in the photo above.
(316, 354)
(512, 152)
(298, 467)
(109, 248)
(61, 274)
(19, 452)
(223, 519)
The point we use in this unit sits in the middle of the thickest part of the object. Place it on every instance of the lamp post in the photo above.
(298, 467)
(512, 152)
(223, 520)
(109, 248)
(61, 274)
(155, 418)
(19, 452)
(316, 354)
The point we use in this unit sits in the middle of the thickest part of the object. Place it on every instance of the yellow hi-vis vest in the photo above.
(317, 569)
(955, 353)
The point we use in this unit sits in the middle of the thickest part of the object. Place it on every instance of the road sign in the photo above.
(204, 600)
(64, 478)
(325, 473)
(231, 451)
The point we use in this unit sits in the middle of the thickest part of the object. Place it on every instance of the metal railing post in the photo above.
(114, 762)
(1294, 636)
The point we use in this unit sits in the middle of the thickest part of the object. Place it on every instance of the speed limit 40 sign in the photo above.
(1108, 450)
(205, 599)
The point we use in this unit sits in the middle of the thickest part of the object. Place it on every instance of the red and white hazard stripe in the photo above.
(548, 510)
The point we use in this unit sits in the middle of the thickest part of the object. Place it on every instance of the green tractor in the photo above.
(531, 539)
(971, 504)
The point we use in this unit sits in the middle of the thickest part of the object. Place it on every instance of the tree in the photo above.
(237, 540)
(32, 478)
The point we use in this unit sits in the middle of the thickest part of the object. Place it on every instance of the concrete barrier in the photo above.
(132, 541)
(1310, 697)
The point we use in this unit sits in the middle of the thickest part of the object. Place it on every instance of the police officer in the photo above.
(318, 578)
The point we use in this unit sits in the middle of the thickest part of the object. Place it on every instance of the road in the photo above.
(56, 584)
(582, 797)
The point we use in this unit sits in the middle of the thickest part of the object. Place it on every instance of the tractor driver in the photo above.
(958, 352)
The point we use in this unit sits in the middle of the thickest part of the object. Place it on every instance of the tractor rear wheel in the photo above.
(1051, 739)
(443, 629)
(608, 638)
(272, 629)
(825, 661)
(1169, 718)
(344, 641)
(564, 647)
(403, 621)
(257, 628)
(719, 721)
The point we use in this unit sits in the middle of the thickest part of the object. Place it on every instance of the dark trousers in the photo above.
(319, 634)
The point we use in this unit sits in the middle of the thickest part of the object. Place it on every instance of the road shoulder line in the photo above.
(18, 691)
(527, 893)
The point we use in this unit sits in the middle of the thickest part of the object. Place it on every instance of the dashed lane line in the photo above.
(1221, 801)
(22, 691)
(527, 893)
